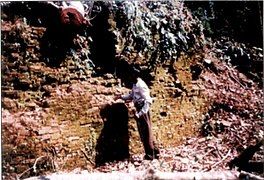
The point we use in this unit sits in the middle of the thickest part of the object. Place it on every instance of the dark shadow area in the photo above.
(103, 46)
(241, 20)
(57, 40)
(244, 160)
(124, 71)
(103, 50)
(196, 71)
(113, 142)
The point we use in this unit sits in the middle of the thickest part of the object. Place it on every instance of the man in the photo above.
(63, 22)
(140, 95)
(72, 14)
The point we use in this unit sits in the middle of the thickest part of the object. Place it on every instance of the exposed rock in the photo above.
(53, 109)
(9, 104)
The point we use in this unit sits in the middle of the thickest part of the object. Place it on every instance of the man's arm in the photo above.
(127, 97)
(124, 97)
(53, 4)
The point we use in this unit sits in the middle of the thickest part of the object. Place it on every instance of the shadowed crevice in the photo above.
(113, 142)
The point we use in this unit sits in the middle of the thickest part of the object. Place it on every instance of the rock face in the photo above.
(53, 108)
(154, 31)
(145, 34)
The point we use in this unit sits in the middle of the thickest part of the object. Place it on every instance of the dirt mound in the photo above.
(53, 107)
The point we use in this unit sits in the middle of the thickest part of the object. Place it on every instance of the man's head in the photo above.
(127, 73)
(134, 74)
(71, 16)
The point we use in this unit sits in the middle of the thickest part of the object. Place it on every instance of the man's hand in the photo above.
(137, 115)
(117, 97)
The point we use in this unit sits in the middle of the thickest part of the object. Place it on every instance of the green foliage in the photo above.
(241, 20)
(157, 32)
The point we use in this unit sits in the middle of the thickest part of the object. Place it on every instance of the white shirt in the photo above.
(76, 5)
(70, 4)
(140, 94)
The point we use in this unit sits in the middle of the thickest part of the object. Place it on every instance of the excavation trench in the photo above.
(64, 130)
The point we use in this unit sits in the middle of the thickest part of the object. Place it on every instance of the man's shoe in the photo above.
(156, 151)
(156, 156)
(148, 157)
(151, 157)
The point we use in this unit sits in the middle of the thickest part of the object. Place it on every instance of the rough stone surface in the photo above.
(52, 115)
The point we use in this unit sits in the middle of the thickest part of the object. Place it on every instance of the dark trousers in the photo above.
(145, 132)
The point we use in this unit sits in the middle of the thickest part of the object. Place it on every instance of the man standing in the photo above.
(140, 95)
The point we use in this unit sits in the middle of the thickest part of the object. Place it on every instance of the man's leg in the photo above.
(145, 132)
